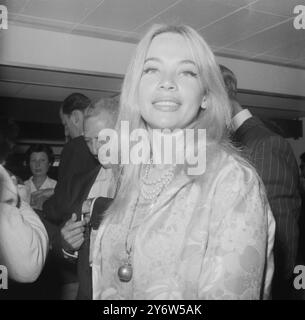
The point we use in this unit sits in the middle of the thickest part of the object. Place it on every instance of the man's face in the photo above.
(71, 129)
(92, 127)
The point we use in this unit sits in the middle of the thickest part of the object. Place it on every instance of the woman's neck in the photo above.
(38, 181)
(167, 147)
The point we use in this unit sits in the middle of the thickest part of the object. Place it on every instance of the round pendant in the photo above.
(125, 272)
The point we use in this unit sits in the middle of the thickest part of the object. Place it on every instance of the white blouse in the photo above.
(48, 184)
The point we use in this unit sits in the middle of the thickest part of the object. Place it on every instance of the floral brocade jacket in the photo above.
(205, 238)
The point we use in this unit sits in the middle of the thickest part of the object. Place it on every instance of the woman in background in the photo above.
(171, 232)
(39, 158)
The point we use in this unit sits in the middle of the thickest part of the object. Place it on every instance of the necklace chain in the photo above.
(150, 191)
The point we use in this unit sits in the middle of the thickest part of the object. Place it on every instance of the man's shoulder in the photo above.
(254, 131)
(256, 124)
(74, 143)
(75, 146)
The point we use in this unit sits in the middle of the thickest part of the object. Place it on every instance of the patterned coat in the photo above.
(204, 238)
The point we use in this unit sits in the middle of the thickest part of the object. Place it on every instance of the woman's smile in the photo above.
(166, 105)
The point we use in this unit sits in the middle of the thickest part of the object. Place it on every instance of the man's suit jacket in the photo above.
(76, 160)
(273, 158)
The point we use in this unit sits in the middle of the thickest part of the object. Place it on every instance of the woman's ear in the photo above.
(204, 103)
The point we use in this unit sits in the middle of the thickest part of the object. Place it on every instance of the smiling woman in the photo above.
(170, 90)
(170, 234)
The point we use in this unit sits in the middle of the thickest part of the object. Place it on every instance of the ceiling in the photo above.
(256, 29)
(260, 30)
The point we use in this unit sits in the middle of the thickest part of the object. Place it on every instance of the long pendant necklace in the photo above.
(125, 271)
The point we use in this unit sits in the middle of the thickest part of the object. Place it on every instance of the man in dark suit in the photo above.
(273, 158)
(92, 194)
(76, 159)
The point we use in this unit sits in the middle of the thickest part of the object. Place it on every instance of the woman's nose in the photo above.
(168, 82)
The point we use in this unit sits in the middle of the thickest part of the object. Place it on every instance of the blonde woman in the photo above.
(174, 233)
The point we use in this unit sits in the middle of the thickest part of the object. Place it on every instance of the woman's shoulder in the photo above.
(223, 164)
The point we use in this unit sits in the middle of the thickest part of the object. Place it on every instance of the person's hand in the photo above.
(8, 189)
(72, 234)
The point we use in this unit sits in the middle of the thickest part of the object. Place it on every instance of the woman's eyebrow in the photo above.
(186, 61)
(152, 59)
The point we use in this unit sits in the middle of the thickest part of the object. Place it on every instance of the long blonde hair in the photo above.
(215, 118)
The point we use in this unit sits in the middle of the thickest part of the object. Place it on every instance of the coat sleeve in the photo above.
(23, 242)
(239, 262)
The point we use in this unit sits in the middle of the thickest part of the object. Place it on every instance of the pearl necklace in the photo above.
(150, 191)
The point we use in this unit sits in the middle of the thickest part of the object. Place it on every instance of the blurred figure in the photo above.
(23, 238)
(273, 158)
(39, 158)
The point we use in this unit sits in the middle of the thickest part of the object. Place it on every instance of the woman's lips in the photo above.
(166, 105)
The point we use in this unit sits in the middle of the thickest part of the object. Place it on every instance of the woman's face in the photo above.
(170, 92)
(39, 164)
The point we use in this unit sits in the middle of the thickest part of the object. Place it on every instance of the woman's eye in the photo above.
(149, 70)
(189, 73)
